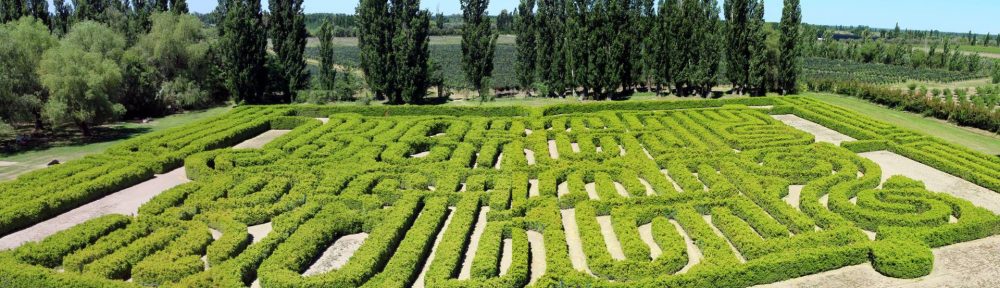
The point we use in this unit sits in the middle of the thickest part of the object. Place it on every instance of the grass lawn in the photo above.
(12, 165)
(979, 140)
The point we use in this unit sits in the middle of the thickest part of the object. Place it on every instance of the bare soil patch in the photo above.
(533, 188)
(553, 150)
(621, 189)
(592, 191)
(125, 202)
(506, 257)
(537, 244)
(646, 233)
(822, 133)
(794, 194)
(529, 156)
(258, 232)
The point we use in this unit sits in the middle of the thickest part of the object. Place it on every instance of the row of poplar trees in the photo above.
(601, 49)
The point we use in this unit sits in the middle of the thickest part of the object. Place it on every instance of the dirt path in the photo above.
(610, 238)
(969, 264)
(421, 154)
(553, 150)
(437, 241)
(477, 233)
(576, 255)
(646, 233)
(125, 202)
(794, 194)
(936, 180)
(694, 254)
(822, 134)
(575, 146)
(650, 156)
(537, 245)
(529, 156)
(563, 188)
(324, 120)
(506, 258)
(499, 160)
(261, 140)
(337, 254)
(649, 188)
(708, 219)
(258, 232)
(533, 188)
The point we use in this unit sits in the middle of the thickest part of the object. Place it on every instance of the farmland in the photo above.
(734, 192)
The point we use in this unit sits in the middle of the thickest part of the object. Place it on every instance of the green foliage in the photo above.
(21, 92)
(327, 69)
(394, 50)
(478, 43)
(243, 49)
(287, 31)
(789, 65)
(902, 259)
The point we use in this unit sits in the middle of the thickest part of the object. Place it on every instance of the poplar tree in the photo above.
(738, 53)
(375, 33)
(393, 39)
(179, 7)
(243, 45)
(478, 43)
(788, 65)
(666, 27)
(327, 70)
(61, 20)
(648, 33)
(288, 39)
(11, 10)
(550, 20)
(525, 29)
(757, 42)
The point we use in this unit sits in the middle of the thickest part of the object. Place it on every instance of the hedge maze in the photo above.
(635, 194)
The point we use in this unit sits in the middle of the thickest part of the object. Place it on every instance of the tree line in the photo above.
(93, 61)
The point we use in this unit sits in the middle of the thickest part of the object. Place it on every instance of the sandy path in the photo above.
(650, 156)
(553, 150)
(261, 140)
(794, 194)
(694, 254)
(621, 189)
(936, 180)
(610, 238)
(708, 219)
(592, 191)
(476, 163)
(7, 163)
(672, 182)
(258, 232)
(575, 146)
(825, 200)
(530, 156)
(527, 132)
(621, 150)
(337, 254)
(649, 188)
(646, 233)
(563, 188)
(969, 264)
(421, 154)
(437, 241)
(533, 188)
(765, 107)
(499, 160)
(324, 120)
(507, 257)
(477, 233)
(822, 133)
(576, 255)
(537, 245)
(125, 202)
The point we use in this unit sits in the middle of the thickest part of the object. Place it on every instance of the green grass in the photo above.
(27, 161)
(975, 139)
(981, 49)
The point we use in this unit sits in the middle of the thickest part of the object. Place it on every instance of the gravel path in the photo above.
(694, 254)
(563, 188)
(621, 189)
(537, 244)
(258, 232)
(437, 241)
(822, 134)
(576, 255)
(553, 150)
(125, 202)
(324, 120)
(936, 180)
(530, 156)
(477, 233)
(610, 238)
(649, 188)
(261, 140)
(533, 188)
(794, 194)
(337, 254)
(592, 191)
(969, 264)
(646, 233)
(506, 258)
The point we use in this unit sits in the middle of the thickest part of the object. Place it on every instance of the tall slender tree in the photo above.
(788, 65)
(327, 70)
(478, 43)
(179, 6)
(243, 48)
(61, 17)
(412, 53)
(526, 36)
(11, 10)
(550, 20)
(738, 52)
(375, 33)
(288, 39)
(757, 43)
(667, 25)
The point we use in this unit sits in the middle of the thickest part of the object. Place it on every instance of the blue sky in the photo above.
(952, 16)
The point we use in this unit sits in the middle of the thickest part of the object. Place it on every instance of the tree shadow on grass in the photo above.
(69, 138)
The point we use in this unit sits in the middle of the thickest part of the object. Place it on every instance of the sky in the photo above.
(950, 16)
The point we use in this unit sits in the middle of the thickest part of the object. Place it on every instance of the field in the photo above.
(708, 193)
(839, 70)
